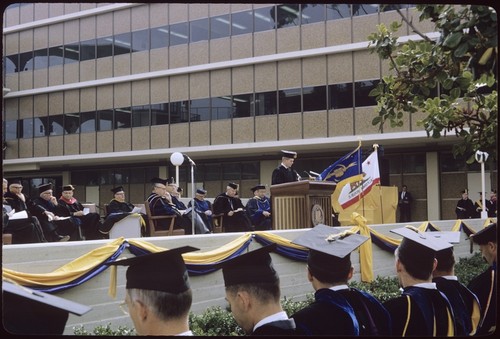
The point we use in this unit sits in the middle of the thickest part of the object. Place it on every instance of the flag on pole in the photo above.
(345, 167)
(353, 192)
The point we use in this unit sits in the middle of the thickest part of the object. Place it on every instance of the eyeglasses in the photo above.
(124, 307)
(160, 187)
(16, 186)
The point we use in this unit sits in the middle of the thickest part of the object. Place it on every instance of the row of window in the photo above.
(222, 26)
(306, 99)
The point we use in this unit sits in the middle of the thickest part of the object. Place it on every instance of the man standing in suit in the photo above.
(405, 200)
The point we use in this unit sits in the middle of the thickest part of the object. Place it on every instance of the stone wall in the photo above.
(208, 290)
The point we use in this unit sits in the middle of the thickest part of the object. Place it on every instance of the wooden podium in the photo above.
(301, 204)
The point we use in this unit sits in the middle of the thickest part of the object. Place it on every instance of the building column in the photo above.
(433, 194)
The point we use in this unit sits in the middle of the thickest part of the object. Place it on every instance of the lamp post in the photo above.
(481, 158)
(177, 159)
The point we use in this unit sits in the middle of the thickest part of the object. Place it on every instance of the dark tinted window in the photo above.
(360, 9)
(312, 13)
(340, 96)
(140, 116)
(362, 89)
(10, 130)
(88, 122)
(71, 53)
(289, 100)
(241, 23)
(314, 98)
(41, 58)
(105, 120)
(243, 104)
(222, 108)
(179, 111)
(250, 170)
(37, 127)
(198, 30)
(25, 61)
(123, 117)
(287, 15)
(26, 129)
(220, 26)
(265, 103)
(10, 63)
(263, 19)
(122, 43)
(71, 123)
(231, 171)
(337, 11)
(87, 50)
(414, 163)
(104, 47)
(159, 37)
(159, 114)
(140, 40)
(178, 33)
(200, 109)
(56, 124)
(56, 56)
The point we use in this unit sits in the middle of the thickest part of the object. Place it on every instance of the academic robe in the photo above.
(485, 288)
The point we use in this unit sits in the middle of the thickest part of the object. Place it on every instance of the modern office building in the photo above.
(101, 94)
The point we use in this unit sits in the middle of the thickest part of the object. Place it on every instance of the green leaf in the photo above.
(453, 40)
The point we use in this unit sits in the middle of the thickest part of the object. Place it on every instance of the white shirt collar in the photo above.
(282, 164)
(273, 317)
(428, 285)
(339, 287)
(190, 333)
(450, 277)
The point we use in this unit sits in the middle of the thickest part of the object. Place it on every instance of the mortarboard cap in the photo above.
(258, 187)
(117, 189)
(27, 311)
(464, 191)
(201, 191)
(233, 185)
(331, 241)
(162, 271)
(44, 188)
(424, 241)
(68, 188)
(170, 181)
(451, 237)
(329, 257)
(252, 267)
(157, 180)
(289, 154)
(179, 189)
(487, 234)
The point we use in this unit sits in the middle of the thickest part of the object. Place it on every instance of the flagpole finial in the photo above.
(376, 146)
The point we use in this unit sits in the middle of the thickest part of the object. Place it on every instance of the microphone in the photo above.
(189, 159)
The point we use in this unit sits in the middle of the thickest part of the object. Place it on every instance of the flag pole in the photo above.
(360, 170)
(376, 146)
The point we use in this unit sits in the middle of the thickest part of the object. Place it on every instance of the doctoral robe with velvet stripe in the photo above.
(485, 288)
(421, 312)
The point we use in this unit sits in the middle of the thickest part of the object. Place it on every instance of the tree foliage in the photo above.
(451, 79)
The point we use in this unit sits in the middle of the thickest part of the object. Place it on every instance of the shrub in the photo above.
(215, 321)
(382, 288)
(467, 269)
(104, 331)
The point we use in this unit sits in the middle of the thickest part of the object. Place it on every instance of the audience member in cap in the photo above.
(464, 302)
(228, 204)
(46, 209)
(203, 207)
(119, 208)
(421, 310)
(329, 270)
(284, 172)
(491, 204)
(71, 207)
(485, 285)
(478, 206)
(158, 294)
(26, 230)
(199, 226)
(253, 293)
(465, 207)
(259, 209)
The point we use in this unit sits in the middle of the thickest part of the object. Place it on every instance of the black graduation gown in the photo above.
(464, 303)
(355, 313)
(239, 221)
(485, 288)
(468, 209)
(281, 175)
(64, 227)
(427, 307)
(89, 222)
(280, 327)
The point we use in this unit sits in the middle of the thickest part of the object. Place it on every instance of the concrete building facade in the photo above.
(101, 94)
